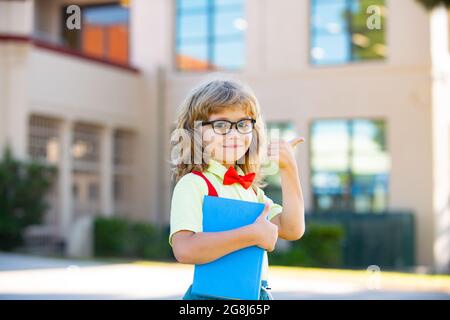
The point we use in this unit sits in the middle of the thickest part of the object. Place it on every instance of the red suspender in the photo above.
(211, 190)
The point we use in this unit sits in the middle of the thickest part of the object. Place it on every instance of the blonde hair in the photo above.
(212, 97)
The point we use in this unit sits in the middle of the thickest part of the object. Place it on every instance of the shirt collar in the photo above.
(219, 169)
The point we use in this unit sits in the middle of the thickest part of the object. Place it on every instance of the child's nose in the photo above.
(233, 133)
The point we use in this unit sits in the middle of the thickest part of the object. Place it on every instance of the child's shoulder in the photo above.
(191, 182)
(259, 193)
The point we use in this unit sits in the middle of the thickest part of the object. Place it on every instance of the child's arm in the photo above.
(291, 221)
(204, 247)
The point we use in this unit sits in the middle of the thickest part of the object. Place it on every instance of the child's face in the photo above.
(228, 148)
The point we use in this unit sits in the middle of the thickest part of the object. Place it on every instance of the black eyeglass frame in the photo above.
(252, 121)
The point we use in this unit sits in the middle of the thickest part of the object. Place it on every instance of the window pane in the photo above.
(350, 165)
(192, 57)
(370, 165)
(117, 36)
(330, 145)
(339, 31)
(105, 32)
(331, 49)
(94, 41)
(278, 130)
(329, 16)
(229, 23)
(330, 41)
(43, 139)
(105, 15)
(228, 3)
(191, 4)
(210, 34)
(368, 43)
(192, 26)
(229, 55)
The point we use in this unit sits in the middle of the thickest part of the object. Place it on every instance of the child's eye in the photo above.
(243, 124)
(220, 124)
(221, 127)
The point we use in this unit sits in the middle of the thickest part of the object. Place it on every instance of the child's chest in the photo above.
(234, 191)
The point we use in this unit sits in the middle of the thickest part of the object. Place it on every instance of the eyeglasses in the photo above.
(223, 127)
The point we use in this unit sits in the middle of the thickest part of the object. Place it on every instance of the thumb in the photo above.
(296, 141)
(265, 212)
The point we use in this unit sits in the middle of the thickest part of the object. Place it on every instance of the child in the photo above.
(225, 158)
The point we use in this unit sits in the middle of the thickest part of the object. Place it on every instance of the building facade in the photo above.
(100, 102)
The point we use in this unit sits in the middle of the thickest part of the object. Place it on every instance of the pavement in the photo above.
(25, 277)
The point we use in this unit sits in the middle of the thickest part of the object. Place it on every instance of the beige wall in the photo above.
(403, 90)
(397, 90)
(13, 73)
(3, 95)
(151, 52)
(48, 16)
(81, 89)
(441, 137)
(391, 94)
(47, 19)
(16, 17)
(77, 90)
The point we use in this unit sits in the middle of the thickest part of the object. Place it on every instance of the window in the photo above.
(124, 146)
(43, 139)
(86, 145)
(210, 34)
(86, 169)
(103, 34)
(93, 191)
(350, 165)
(283, 131)
(340, 33)
(44, 145)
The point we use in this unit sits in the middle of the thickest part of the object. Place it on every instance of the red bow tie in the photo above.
(231, 176)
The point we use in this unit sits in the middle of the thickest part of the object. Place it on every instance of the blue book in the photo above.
(236, 275)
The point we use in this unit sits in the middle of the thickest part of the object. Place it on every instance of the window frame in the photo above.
(350, 62)
(277, 188)
(350, 205)
(80, 35)
(211, 39)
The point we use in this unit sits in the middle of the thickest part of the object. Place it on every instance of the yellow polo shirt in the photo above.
(187, 200)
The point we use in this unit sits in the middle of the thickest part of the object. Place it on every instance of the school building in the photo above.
(93, 87)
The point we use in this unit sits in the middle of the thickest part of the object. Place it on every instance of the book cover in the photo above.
(236, 275)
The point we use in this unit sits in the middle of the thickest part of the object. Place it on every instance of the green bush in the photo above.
(118, 237)
(320, 246)
(23, 186)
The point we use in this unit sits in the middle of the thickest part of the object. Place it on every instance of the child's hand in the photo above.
(283, 152)
(266, 232)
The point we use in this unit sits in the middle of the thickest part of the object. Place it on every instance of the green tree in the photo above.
(23, 186)
(430, 4)
(367, 44)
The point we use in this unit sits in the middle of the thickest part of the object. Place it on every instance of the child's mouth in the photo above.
(233, 146)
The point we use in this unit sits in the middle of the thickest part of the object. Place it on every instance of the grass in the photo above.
(389, 280)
